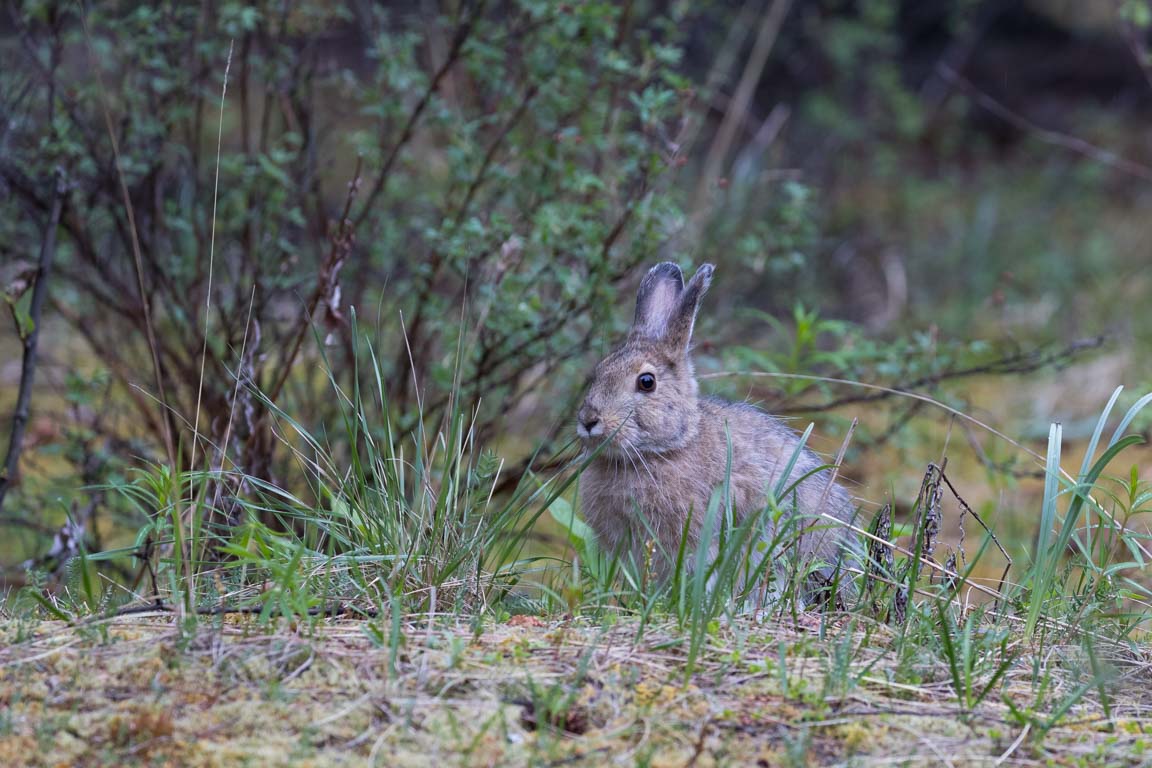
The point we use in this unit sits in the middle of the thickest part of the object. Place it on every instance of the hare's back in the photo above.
(762, 437)
(763, 448)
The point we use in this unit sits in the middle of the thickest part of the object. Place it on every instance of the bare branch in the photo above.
(1017, 363)
(463, 32)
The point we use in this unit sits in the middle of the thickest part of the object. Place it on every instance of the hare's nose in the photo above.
(589, 423)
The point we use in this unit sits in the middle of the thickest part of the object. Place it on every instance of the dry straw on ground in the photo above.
(524, 692)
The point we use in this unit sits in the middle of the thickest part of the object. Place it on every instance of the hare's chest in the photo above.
(617, 501)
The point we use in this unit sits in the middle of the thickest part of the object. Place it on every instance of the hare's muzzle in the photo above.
(588, 423)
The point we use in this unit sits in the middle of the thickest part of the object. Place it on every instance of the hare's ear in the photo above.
(657, 300)
(678, 333)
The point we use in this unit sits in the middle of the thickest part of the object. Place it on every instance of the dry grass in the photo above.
(133, 690)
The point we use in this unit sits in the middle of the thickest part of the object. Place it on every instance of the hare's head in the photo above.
(643, 396)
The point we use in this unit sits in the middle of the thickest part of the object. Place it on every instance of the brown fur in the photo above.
(667, 450)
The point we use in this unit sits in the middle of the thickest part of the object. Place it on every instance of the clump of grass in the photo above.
(1087, 526)
(387, 523)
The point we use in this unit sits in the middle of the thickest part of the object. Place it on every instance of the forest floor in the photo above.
(803, 690)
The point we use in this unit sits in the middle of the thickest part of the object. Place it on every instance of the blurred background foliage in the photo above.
(944, 197)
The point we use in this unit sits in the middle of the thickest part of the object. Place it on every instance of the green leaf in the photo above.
(579, 532)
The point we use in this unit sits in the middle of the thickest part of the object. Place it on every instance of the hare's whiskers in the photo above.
(641, 459)
(628, 456)
(629, 447)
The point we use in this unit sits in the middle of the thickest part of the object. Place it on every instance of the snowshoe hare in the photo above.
(667, 449)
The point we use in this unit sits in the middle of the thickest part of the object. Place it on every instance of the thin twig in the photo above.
(325, 284)
(1019, 363)
(32, 340)
(1046, 135)
(966, 508)
(211, 263)
(137, 255)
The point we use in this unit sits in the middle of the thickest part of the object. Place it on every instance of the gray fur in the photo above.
(668, 449)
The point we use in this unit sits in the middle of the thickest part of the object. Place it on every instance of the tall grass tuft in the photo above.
(387, 522)
(1086, 529)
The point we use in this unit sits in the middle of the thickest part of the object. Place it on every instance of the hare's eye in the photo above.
(646, 382)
